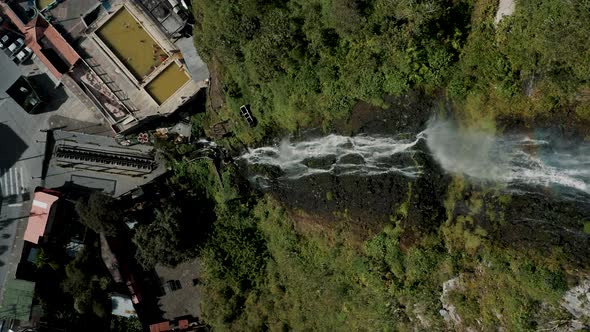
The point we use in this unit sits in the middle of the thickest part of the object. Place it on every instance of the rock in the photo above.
(449, 311)
(577, 300)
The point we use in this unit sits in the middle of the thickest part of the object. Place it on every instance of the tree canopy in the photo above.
(100, 213)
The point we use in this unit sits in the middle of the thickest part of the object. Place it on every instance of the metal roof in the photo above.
(17, 300)
(197, 68)
(42, 203)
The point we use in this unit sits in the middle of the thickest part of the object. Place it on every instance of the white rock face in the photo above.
(449, 311)
(506, 8)
(577, 300)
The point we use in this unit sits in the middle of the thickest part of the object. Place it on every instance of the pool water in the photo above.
(129, 41)
(167, 83)
(42, 4)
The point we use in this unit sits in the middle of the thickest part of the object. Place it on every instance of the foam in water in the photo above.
(510, 159)
(341, 155)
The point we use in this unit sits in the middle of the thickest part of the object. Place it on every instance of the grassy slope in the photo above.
(263, 270)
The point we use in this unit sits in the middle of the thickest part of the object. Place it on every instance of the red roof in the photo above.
(42, 203)
(37, 29)
(183, 324)
(160, 327)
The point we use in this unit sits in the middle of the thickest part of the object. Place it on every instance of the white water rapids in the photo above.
(510, 159)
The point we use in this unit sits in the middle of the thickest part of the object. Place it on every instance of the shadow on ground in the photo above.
(11, 148)
(52, 96)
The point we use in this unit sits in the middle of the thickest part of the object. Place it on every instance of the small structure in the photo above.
(109, 259)
(182, 325)
(122, 306)
(220, 129)
(23, 92)
(160, 327)
(181, 295)
(37, 224)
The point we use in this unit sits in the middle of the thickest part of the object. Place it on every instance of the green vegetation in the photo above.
(302, 63)
(87, 282)
(263, 270)
(123, 324)
(74, 292)
(100, 213)
(307, 62)
(161, 240)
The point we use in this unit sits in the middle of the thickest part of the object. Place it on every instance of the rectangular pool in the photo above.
(132, 45)
(167, 83)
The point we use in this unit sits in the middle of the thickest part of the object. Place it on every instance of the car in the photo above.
(4, 41)
(23, 55)
(16, 46)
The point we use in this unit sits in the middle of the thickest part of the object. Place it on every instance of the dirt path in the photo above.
(506, 8)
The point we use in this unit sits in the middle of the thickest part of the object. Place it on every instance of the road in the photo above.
(21, 156)
(22, 150)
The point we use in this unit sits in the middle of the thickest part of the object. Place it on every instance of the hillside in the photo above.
(448, 249)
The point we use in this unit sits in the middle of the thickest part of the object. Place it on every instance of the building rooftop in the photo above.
(122, 306)
(9, 72)
(195, 65)
(17, 300)
(43, 39)
(160, 327)
(25, 94)
(100, 163)
(184, 298)
(39, 216)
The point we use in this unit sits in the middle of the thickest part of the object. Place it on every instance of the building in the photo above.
(131, 71)
(17, 300)
(181, 325)
(94, 162)
(42, 38)
(39, 216)
(25, 94)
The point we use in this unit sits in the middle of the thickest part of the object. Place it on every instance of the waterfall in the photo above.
(511, 159)
(360, 155)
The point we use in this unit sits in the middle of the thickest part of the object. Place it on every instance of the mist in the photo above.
(540, 159)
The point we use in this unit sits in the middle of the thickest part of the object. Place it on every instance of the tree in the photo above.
(87, 283)
(100, 213)
(127, 324)
(162, 241)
